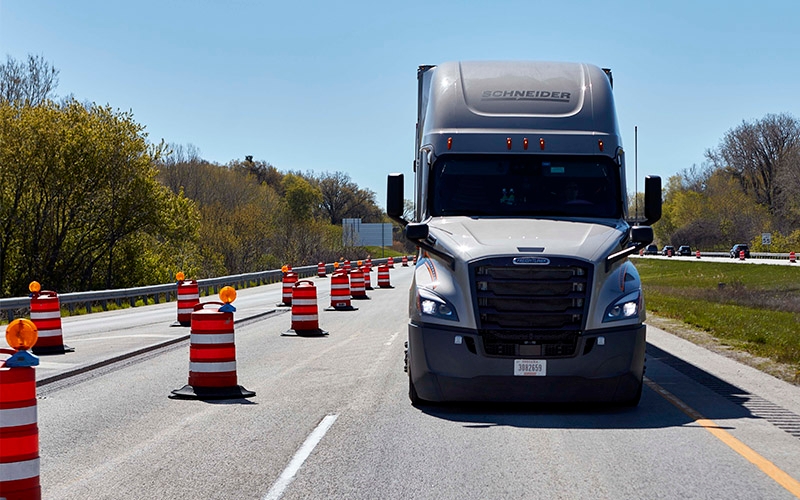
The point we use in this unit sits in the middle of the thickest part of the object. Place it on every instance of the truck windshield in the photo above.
(570, 186)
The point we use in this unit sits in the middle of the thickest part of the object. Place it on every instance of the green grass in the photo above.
(381, 252)
(753, 308)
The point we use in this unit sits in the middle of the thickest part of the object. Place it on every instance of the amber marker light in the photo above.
(227, 294)
(600, 145)
(449, 143)
(35, 287)
(525, 143)
(21, 334)
(508, 142)
(541, 144)
(180, 276)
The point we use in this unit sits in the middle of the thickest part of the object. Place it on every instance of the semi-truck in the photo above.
(523, 290)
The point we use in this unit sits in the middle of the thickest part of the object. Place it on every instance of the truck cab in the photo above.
(523, 290)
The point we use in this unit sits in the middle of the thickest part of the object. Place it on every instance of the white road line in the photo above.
(287, 476)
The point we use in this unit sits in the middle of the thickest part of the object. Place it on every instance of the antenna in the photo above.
(636, 169)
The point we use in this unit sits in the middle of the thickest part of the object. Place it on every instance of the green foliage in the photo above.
(751, 307)
(79, 196)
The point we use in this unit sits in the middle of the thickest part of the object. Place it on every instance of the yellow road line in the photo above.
(788, 482)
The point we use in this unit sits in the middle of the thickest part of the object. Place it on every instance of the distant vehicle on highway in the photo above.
(684, 250)
(651, 250)
(740, 247)
(668, 250)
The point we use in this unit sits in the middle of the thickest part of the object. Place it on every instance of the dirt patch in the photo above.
(786, 372)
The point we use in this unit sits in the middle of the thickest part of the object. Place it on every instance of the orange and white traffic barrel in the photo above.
(390, 263)
(46, 315)
(741, 254)
(19, 428)
(697, 254)
(305, 316)
(340, 292)
(358, 288)
(368, 262)
(321, 271)
(289, 279)
(384, 281)
(188, 294)
(405, 261)
(367, 279)
(347, 266)
(212, 353)
(792, 257)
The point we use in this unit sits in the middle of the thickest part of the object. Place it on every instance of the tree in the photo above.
(30, 83)
(763, 156)
(79, 195)
(343, 199)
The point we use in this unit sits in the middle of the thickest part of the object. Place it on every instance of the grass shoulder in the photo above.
(747, 312)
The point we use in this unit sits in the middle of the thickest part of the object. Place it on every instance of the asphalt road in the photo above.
(331, 419)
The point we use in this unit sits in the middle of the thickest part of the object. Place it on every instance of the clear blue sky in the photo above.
(331, 86)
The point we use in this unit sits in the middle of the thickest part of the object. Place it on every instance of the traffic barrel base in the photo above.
(212, 357)
(191, 392)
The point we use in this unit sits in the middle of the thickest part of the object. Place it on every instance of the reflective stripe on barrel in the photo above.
(212, 352)
(304, 306)
(19, 434)
(383, 277)
(188, 297)
(340, 290)
(46, 315)
(357, 286)
(289, 279)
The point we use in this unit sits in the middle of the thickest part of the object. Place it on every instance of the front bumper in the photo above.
(444, 368)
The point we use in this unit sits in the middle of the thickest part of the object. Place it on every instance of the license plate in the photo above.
(530, 367)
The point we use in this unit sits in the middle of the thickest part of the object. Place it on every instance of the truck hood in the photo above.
(473, 238)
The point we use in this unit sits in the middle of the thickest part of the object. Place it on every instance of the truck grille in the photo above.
(531, 310)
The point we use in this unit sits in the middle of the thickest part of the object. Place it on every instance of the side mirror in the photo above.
(642, 235)
(416, 231)
(652, 199)
(394, 198)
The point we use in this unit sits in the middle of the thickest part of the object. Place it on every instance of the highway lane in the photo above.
(114, 433)
(705, 258)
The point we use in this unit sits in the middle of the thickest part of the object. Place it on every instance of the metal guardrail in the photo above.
(20, 306)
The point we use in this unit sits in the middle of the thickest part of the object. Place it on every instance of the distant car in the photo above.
(738, 248)
(651, 250)
(668, 250)
(684, 250)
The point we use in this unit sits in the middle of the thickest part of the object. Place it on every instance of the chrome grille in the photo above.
(531, 310)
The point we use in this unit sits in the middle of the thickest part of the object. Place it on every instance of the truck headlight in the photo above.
(430, 304)
(626, 307)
